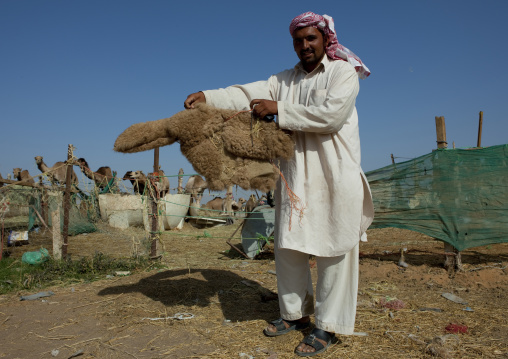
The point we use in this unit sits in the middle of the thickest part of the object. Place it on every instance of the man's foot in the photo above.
(314, 343)
(283, 326)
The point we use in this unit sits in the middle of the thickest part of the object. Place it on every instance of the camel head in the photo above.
(38, 160)
(81, 162)
(135, 175)
(237, 205)
(195, 184)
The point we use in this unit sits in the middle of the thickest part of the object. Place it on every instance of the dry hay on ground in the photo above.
(228, 298)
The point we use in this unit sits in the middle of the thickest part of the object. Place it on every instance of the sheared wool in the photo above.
(225, 146)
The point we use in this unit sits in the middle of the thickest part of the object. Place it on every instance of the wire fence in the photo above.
(27, 208)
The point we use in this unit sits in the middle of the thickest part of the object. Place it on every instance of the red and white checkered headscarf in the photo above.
(334, 50)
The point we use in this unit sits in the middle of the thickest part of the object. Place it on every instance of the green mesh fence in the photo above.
(457, 196)
(25, 209)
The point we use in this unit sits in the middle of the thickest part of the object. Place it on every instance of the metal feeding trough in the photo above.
(205, 222)
(258, 226)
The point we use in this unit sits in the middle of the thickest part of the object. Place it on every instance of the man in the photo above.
(316, 101)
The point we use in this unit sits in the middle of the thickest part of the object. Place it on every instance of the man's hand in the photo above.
(262, 108)
(193, 99)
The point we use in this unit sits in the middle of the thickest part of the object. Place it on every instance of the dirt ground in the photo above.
(211, 302)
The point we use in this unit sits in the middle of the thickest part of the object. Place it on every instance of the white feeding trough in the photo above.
(123, 211)
(176, 208)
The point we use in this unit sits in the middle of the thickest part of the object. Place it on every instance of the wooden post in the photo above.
(180, 181)
(452, 255)
(67, 202)
(480, 124)
(155, 220)
(393, 159)
(441, 132)
(44, 204)
(57, 236)
(2, 240)
(229, 200)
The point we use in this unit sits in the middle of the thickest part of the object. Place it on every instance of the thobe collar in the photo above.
(325, 62)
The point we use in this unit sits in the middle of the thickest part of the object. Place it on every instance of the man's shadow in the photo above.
(240, 298)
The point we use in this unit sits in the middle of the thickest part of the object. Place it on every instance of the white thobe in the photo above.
(325, 172)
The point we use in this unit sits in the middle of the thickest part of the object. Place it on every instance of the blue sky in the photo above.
(80, 72)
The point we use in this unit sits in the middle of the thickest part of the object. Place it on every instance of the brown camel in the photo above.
(101, 177)
(22, 175)
(160, 182)
(216, 204)
(195, 185)
(57, 173)
(141, 182)
(138, 180)
(215, 207)
(237, 205)
(251, 204)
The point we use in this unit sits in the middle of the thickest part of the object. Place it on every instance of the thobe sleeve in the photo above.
(326, 110)
(238, 97)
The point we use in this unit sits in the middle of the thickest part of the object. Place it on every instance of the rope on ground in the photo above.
(177, 316)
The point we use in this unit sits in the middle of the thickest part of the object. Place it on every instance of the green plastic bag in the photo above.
(36, 257)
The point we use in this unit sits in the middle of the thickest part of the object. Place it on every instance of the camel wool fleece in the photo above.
(325, 172)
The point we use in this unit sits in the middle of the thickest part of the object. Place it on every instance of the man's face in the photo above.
(309, 45)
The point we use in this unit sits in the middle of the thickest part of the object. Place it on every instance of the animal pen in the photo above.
(401, 312)
(28, 207)
(457, 196)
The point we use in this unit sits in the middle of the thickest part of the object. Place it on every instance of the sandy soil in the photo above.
(215, 303)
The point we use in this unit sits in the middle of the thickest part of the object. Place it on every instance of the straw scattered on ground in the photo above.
(211, 302)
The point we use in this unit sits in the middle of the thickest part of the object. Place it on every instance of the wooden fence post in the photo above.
(480, 125)
(229, 201)
(44, 203)
(180, 181)
(441, 132)
(67, 201)
(155, 212)
(452, 255)
(57, 236)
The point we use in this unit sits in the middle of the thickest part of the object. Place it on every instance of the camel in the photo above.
(101, 177)
(216, 204)
(23, 175)
(215, 207)
(251, 204)
(140, 182)
(160, 182)
(57, 173)
(195, 185)
(238, 205)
